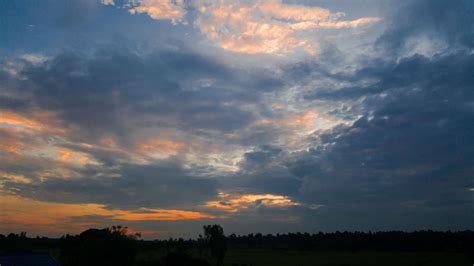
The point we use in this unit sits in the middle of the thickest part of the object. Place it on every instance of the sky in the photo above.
(259, 115)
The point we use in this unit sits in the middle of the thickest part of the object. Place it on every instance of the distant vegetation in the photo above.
(114, 246)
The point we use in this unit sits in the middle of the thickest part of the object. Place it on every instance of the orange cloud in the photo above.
(37, 135)
(17, 213)
(19, 130)
(108, 143)
(147, 214)
(65, 155)
(297, 126)
(237, 202)
(304, 119)
(18, 120)
(158, 148)
(239, 28)
(310, 119)
(267, 26)
(165, 146)
(37, 121)
(159, 9)
(9, 141)
(251, 27)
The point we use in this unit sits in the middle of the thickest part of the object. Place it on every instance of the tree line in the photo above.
(114, 246)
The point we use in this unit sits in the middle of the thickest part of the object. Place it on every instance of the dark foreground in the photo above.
(268, 257)
(113, 246)
(340, 258)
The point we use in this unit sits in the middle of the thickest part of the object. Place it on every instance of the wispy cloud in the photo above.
(107, 2)
(159, 9)
(268, 27)
(252, 27)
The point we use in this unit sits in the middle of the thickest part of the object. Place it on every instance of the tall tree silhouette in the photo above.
(216, 242)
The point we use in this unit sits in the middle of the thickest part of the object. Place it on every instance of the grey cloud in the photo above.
(411, 151)
(108, 92)
(407, 162)
(117, 92)
(165, 184)
(263, 170)
(451, 21)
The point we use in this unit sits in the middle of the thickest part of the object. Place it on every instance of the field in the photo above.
(269, 257)
(291, 257)
(261, 257)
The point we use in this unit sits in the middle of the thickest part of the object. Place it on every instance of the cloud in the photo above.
(237, 202)
(119, 129)
(34, 58)
(96, 93)
(268, 27)
(151, 134)
(162, 184)
(410, 152)
(36, 136)
(263, 171)
(160, 148)
(405, 160)
(159, 9)
(115, 106)
(443, 27)
(39, 122)
(62, 218)
(253, 27)
(85, 105)
(107, 2)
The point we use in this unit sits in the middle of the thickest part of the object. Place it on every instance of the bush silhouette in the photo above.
(109, 246)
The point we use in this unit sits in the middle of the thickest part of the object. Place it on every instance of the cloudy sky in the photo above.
(260, 115)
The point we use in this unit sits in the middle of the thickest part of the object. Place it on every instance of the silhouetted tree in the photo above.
(215, 241)
(112, 246)
(109, 246)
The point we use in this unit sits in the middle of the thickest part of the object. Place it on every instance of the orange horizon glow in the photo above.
(23, 214)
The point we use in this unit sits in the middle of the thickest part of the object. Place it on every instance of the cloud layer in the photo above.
(174, 114)
(252, 27)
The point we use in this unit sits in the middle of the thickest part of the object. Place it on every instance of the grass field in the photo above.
(269, 257)
(261, 257)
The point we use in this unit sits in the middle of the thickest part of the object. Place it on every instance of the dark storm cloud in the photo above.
(407, 162)
(451, 21)
(263, 170)
(164, 184)
(105, 92)
(408, 74)
(116, 92)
